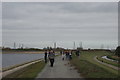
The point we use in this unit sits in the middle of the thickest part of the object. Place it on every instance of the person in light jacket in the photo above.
(51, 57)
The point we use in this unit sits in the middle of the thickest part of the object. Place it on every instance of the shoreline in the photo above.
(18, 67)
(22, 52)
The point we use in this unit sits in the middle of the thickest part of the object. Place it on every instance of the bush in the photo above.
(117, 51)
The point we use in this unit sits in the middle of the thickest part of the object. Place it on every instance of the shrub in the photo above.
(117, 51)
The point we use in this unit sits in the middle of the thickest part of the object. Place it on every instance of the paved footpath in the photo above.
(61, 69)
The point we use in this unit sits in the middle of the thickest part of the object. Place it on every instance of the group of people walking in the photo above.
(65, 55)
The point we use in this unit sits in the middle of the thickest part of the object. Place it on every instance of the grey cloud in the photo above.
(66, 22)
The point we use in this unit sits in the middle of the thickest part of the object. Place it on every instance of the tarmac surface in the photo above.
(61, 69)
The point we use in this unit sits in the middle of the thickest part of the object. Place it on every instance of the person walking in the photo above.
(67, 55)
(63, 56)
(51, 57)
(77, 53)
(45, 57)
(70, 55)
(61, 52)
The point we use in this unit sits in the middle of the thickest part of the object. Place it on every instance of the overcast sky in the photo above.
(41, 24)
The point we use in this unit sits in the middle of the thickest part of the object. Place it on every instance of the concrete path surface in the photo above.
(61, 69)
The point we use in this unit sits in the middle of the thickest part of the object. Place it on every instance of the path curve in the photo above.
(61, 69)
(114, 67)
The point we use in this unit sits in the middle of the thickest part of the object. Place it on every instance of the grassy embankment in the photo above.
(114, 57)
(12, 67)
(89, 68)
(109, 62)
(28, 72)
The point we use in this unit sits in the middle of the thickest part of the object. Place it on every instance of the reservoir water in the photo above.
(14, 59)
(105, 57)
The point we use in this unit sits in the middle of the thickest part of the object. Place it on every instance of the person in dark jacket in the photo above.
(51, 57)
(77, 53)
(45, 57)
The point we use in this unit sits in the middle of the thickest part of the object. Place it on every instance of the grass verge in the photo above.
(28, 72)
(89, 68)
(12, 67)
(114, 57)
(108, 62)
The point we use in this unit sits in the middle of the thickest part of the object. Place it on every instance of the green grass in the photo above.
(28, 72)
(108, 62)
(114, 57)
(89, 68)
(11, 67)
(89, 56)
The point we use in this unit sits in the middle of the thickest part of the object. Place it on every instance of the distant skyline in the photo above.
(42, 24)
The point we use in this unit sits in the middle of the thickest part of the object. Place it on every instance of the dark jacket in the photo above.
(51, 55)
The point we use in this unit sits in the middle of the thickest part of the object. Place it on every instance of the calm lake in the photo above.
(13, 59)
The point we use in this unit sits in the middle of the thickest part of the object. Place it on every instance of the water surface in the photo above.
(14, 59)
(105, 57)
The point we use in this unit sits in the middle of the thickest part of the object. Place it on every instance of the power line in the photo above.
(14, 45)
(22, 45)
(74, 45)
(102, 46)
(19, 45)
(80, 44)
(55, 45)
